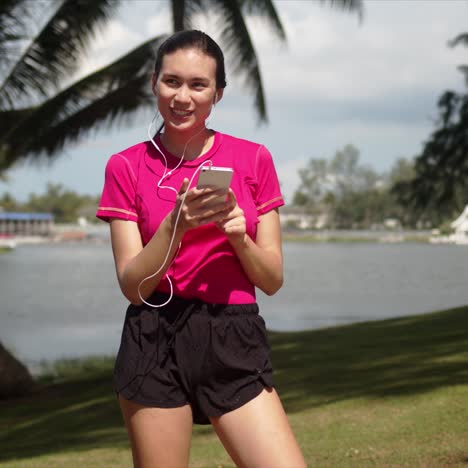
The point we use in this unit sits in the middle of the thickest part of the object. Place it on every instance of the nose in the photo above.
(182, 95)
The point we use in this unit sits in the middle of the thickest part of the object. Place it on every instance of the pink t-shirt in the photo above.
(206, 266)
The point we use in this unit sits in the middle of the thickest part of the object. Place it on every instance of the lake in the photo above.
(62, 300)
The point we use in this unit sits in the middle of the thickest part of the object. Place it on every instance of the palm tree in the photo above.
(42, 40)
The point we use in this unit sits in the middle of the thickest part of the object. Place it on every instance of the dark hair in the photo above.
(193, 39)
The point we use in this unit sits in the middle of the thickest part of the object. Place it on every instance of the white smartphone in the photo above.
(217, 176)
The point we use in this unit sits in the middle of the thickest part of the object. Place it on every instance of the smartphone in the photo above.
(219, 177)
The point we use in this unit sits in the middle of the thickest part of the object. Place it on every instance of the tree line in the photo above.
(65, 205)
(428, 191)
(343, 193)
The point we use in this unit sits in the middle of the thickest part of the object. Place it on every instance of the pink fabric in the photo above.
(206, 266)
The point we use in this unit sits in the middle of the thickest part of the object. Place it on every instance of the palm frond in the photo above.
(460, 39)
(266, 9)
(464, 69)
(240, 50)
(9, 119)
(349, 5)
(183, 12)
(13, 19)
(104, 97)
(53, 53)
(178, 15)
(114, 107)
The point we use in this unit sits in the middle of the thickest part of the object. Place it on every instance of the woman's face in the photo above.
(186, 89)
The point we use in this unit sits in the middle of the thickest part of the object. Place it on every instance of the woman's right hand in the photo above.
(198, 207)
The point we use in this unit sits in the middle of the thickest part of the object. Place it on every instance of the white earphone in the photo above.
(160, 186)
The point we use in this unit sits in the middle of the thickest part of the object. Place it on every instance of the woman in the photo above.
(195, 349)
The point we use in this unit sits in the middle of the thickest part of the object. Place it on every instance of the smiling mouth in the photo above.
(181, 113)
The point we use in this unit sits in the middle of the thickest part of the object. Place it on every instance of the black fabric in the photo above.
(216, 357)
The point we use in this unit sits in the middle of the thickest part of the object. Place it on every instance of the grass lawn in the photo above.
(386, 393)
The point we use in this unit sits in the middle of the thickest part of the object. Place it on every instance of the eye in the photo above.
(199, 85)
(171, 81)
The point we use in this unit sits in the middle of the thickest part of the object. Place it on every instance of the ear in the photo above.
(218, 95)
(154, 83)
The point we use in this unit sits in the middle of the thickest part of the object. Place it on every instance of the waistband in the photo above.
(177, 304)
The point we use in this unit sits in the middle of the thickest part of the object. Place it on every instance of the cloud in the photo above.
(114, 40)
(157, 24)
(331, 55)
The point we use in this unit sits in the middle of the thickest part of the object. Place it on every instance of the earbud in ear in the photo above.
(215, 100)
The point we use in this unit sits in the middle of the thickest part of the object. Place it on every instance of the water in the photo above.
(62, 300)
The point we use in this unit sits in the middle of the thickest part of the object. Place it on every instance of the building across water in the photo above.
(26, 224)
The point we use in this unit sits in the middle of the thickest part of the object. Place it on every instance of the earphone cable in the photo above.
(166, 174)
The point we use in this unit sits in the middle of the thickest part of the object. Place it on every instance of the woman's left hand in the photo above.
(234, 225)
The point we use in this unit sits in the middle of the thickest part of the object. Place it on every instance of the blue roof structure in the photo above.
(17, 216)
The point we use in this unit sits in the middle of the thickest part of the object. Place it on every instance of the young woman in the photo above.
(194, 347)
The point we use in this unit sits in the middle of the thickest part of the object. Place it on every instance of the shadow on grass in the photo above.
(79, 413)
(396, 357)
(403, 356)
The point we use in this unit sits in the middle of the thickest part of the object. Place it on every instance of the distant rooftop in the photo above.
(18, 216)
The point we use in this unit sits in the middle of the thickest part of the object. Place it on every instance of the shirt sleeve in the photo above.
(268, 189)
(118, 195)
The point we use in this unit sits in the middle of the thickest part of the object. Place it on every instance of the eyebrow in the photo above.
(195, 78)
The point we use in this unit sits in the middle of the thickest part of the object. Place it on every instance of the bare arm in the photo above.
(262, 260)
(133, 263)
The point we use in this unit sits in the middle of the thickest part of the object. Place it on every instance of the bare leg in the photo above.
(160, 437)
(258, 434)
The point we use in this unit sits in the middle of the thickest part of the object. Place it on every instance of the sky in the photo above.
(372, 82)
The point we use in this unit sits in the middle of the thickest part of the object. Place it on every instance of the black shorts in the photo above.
(215, 357)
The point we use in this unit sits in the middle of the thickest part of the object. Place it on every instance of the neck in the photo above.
(189, 146)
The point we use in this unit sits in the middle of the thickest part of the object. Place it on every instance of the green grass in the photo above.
(387, 393)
